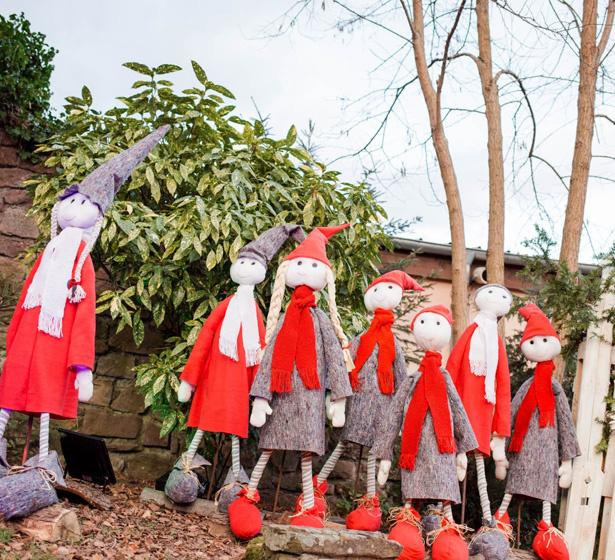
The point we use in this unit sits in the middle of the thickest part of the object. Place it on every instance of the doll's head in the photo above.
(493, 298)
(246, 271)
(540, 342)
(384, 295)
(305, 271)
(77, 210)
(432, 328)
(386, 291)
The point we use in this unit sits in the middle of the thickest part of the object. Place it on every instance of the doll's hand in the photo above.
(260, 411)
(498, 452)
(338, 412)
(383, 471)
(84, 385)
(565, 474)
(328, 406)
(461, 462)
(184, 393)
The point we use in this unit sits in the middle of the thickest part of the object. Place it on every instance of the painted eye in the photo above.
(83, 202)
(314, 265)
(242, 262)
(375, 290)
(299, 263)
(422, 322)
(437, 322)
(544, 340)
(504, 297)
(490, 291)
(531, 342)
(253, 263)
(72, 200)
(390, 287)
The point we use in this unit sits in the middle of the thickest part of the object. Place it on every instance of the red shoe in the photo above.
(244, 517)
(502, 522)
(407, 532)
(366, 516)
(308, 518)
(320, 503)
(549, 543)
(449, 543)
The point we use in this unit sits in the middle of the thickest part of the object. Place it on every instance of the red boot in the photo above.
(243, 515)
(366, 516)
(549, 543)
(502, 522)
(449, 543)
(308, 518)
(407, 532)
(320, 489)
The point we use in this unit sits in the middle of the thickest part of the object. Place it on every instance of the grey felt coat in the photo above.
(533, 471)
(434, 476)
(366, 407)
(298, 419)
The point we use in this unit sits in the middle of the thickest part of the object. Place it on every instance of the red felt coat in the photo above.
(37, 375)
(221, 400)
(486, 418)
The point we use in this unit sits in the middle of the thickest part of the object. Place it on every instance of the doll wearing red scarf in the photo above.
(543, 442)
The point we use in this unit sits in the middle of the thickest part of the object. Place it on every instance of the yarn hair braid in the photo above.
(275, 304)
(335, 320)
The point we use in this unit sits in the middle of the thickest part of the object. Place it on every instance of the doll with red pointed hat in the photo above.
(436, 434)
(379, 369)
(304, 356)
(223, 362)
(543, 442)
(478, 365)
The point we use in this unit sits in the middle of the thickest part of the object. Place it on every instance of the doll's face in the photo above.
(77, 210)
(247, 272)
(304, 271)
(432, 331)
(494, 299)
(384, 295)
(541, 348)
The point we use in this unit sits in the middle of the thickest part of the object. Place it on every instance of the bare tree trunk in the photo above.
(459, 273)
(589, 61)
(495, 244)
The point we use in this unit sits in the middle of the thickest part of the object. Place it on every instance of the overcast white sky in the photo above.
(313, 72)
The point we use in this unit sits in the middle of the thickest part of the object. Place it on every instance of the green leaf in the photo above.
(199, 73)
(138, 67)
(168, 424)
(166, 69)
(86, 95)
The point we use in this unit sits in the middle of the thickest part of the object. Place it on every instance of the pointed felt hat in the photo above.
(101, 185)
(439, 309)
(268, 243)
(399, 277)
(538, 323)
(315, 244)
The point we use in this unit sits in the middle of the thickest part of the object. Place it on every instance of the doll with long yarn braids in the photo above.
(223, 362)
(379, 369)
(436, 434)
(50, 339)
(543, 442)
(304, 356)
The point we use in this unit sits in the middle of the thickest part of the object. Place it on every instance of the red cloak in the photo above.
(37, 375)
(485, 417)
(221, 401)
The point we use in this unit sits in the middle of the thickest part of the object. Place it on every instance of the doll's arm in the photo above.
(336, 372)
(501, 417)
(400, 367)
(83, 334)
(568, 443)
(261, 387)
(465, 440)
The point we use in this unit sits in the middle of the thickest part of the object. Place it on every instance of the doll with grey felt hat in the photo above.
(50, 339)
(223, 364)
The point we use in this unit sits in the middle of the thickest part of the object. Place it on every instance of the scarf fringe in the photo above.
(478, 368)
(50, 324)
(229, 349)
(281, 382)
(253, 356)
(407, 461)
(76, 294)
(446, 444)
(31, 300)
(386, 382)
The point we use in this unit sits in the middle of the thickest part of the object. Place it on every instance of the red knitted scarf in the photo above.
(429, 394)
(379, 333)
(296, 344)
(540, 394)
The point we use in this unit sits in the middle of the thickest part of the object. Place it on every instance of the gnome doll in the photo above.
(223, 362)
(380, 368)
(50, 339)
(306, 353)
(544, 441)
(436, 434)
(478, 366)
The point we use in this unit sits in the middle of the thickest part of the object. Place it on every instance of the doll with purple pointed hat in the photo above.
(222, 366)
(50, 339)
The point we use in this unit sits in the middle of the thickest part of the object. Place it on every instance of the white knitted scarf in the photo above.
(241, 314)
(484, 350)
(49, 287)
